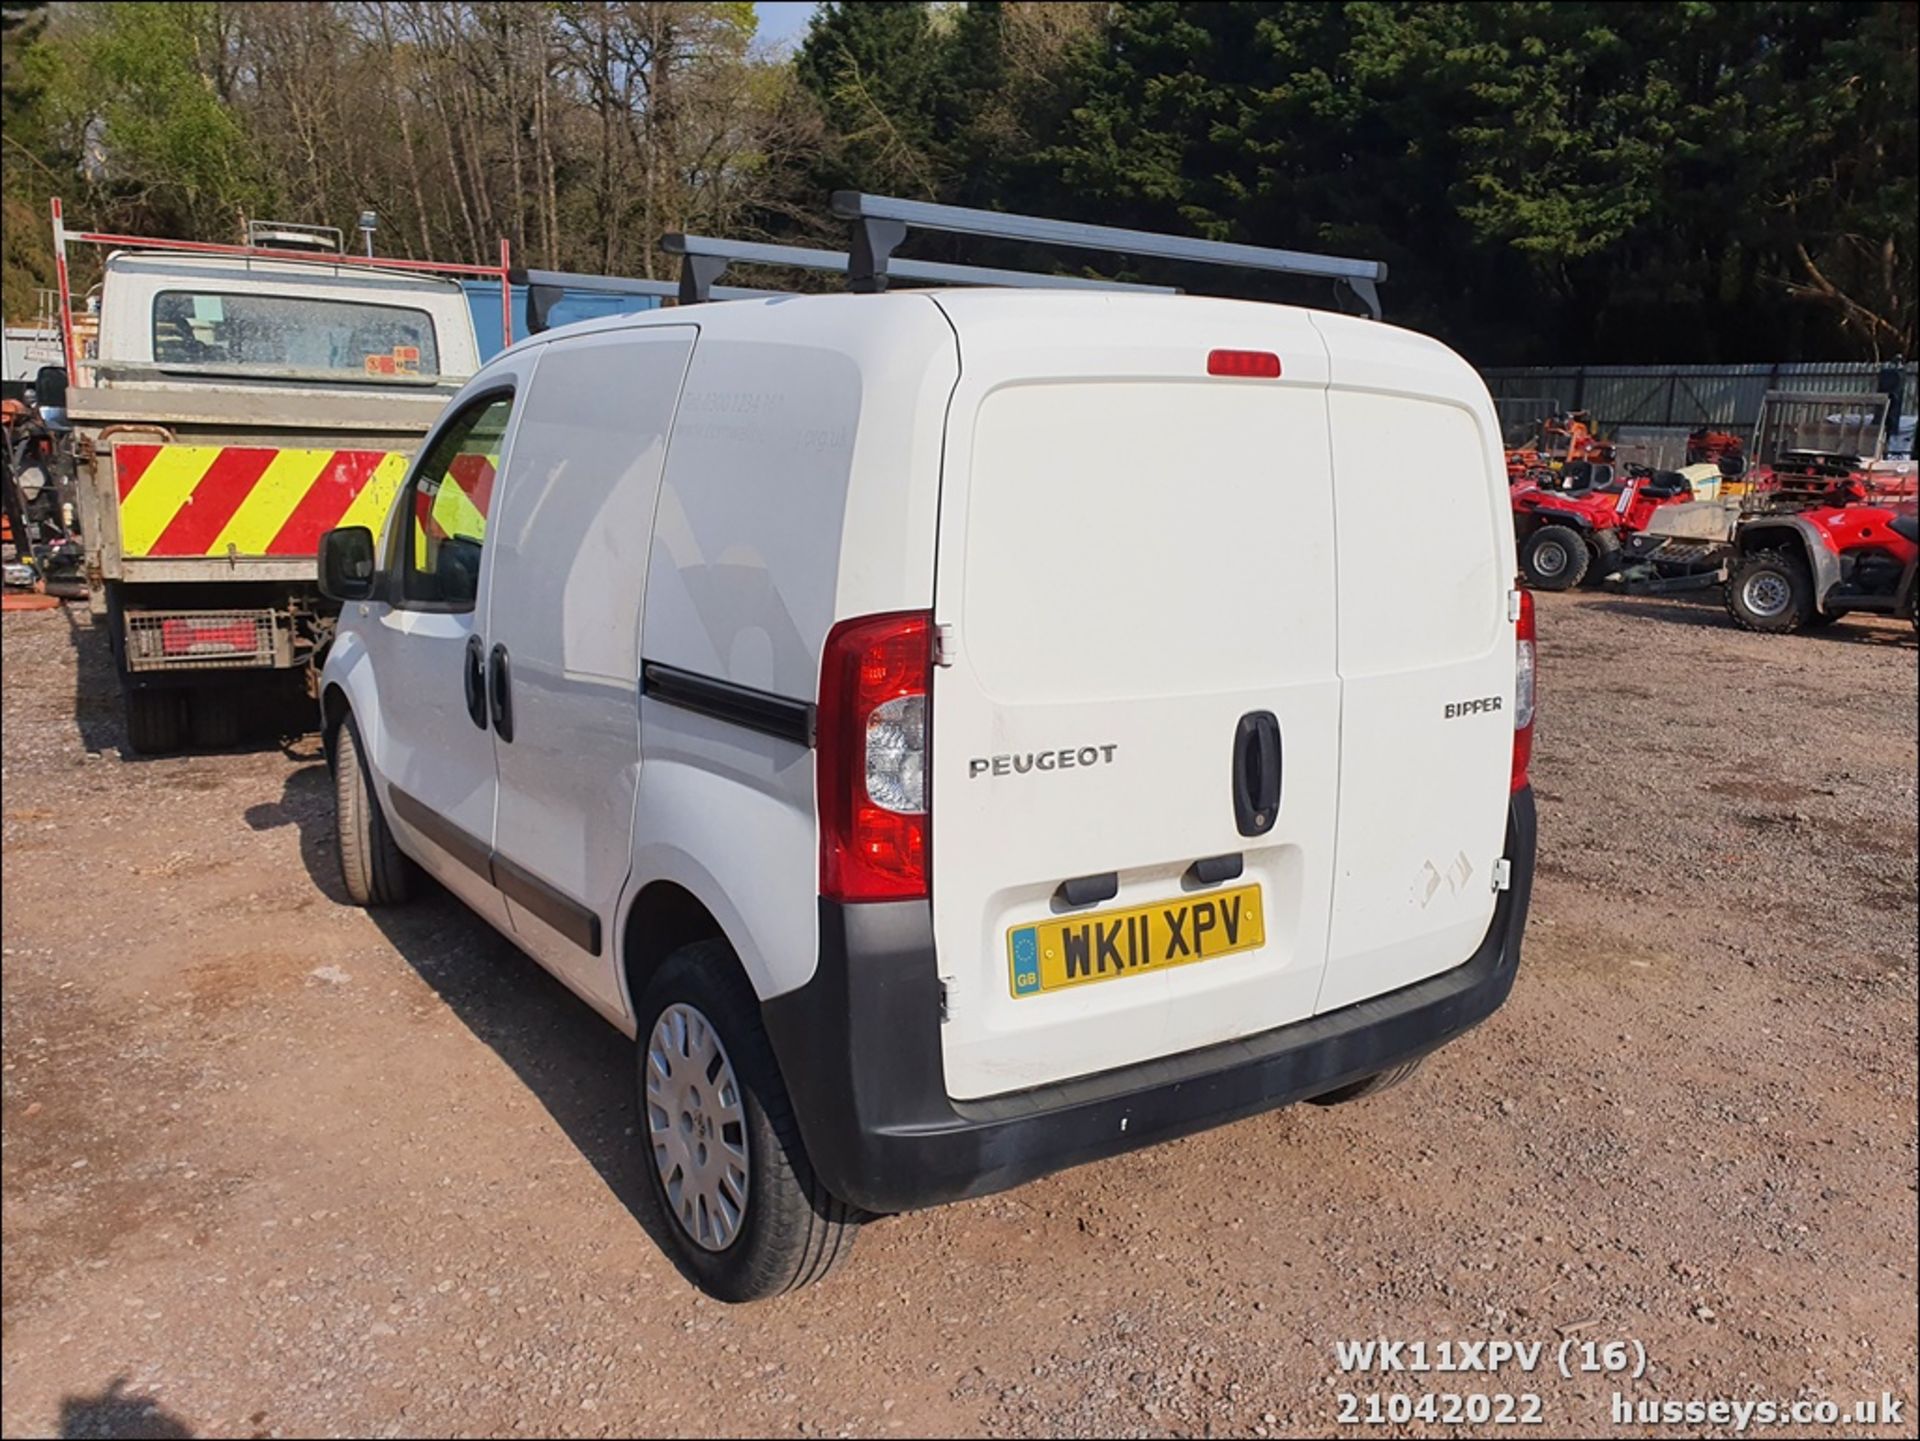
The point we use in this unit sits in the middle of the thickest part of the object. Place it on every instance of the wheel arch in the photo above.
(1796, 535)
(333, 714)
(663, 917)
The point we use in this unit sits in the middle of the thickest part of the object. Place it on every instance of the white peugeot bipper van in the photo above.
(958, 735)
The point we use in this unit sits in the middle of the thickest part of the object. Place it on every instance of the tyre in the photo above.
(1369, 1085)
(153, 721)
(729, 1190)
(1554, 557)
(372, 867)
(213, 719)
(1770, 591)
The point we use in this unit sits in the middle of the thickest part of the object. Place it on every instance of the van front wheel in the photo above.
(372, 866)
(729, 1192)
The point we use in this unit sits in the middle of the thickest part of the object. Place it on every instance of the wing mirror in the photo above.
(346, 563)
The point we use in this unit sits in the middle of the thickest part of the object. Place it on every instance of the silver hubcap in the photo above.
(1766, 594)
(697, 1125)
(1550, 558)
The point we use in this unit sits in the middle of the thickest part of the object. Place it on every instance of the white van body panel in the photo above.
(567, 543)
(801, 488)
(424, 742)
(1426, 567)
(1132, 553)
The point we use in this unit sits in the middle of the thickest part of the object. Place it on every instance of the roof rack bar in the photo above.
(881, 223)
(705, 258)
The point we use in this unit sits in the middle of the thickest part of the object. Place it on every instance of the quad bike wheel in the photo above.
(1554, 557)
(1770, 591)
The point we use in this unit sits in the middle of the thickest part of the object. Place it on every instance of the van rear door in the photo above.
(1426, 644)
(1134, 592)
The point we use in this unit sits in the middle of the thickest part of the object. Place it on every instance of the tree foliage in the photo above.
(1576, 180)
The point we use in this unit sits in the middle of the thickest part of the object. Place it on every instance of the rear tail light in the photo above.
(207, 637)
(871, 757)
(1525, 659)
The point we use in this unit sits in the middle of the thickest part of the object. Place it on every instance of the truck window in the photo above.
(287, 332)
(441, 524)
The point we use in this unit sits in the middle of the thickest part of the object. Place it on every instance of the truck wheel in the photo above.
(1770, 591)
(153, 721)
(213, 719)
(1369, 1085)
(372, 867)
(730, 1192)
(1554, 557)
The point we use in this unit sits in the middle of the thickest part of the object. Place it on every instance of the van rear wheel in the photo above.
(730, 1193)
(1554, 557)
(372, 866)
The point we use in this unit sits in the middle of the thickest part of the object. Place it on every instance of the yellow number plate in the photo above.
(1051, 955)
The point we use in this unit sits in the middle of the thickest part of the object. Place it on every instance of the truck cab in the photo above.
(232, 405)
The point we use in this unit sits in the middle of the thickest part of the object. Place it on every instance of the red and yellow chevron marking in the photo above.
(199, 500)
(455, 505)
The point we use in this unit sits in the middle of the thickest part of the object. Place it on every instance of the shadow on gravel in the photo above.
(277, 710)
(574, 1063)
(115, 1412)
(1712, 615)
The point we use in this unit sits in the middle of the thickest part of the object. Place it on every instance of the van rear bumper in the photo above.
(859, 1046)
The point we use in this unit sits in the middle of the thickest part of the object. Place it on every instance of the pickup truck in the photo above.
(236, 404)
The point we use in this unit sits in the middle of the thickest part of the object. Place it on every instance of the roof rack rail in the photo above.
(705, 258)
(881, 223)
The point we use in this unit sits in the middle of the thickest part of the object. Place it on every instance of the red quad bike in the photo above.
(1814, 566)
(1572, 527)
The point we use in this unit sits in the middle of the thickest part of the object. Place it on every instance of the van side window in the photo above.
(442, 522)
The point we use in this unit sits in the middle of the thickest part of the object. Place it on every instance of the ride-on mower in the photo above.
(1574, 525)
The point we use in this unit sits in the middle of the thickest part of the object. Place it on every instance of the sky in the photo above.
(785, 21)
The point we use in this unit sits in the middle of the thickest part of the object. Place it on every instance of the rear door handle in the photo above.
(475, 679)
(500, 692)
(1256, 772)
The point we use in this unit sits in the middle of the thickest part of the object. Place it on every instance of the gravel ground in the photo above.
(274, 1167)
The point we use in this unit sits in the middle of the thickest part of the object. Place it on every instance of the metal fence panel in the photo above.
(1649, 409)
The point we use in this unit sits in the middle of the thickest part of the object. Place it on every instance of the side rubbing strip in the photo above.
(557, 909)
(756, 710)
(561, 911)
(470, 851)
